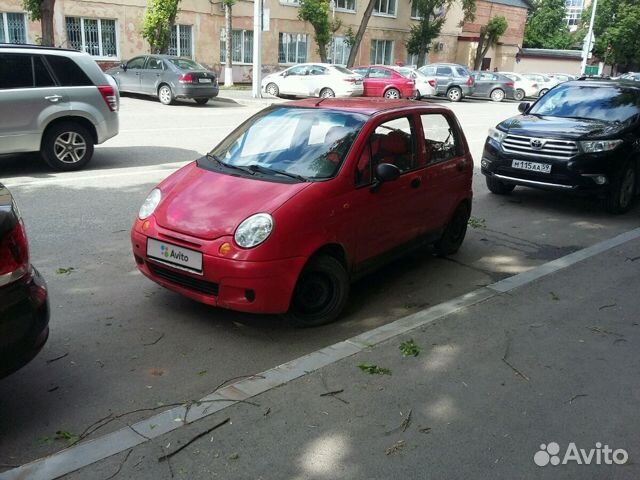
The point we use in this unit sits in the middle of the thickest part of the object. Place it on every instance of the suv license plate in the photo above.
(174, 255)
(531, 166)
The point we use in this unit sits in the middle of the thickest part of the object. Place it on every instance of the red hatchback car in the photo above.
(302, 198)
(381, 81)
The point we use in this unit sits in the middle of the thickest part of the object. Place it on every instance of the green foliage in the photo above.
(547, 28)
(158, 22)
(33, 8)
(350, 37)
(616, 31)
(410, 348)
(489, 35)
(316, 12)
(374, 369)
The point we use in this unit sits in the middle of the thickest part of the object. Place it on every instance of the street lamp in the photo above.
(589, 39)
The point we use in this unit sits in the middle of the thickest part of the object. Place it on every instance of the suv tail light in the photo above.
(186, 78)
(432, 83)
(109, 95)
(14, 255)
(469, 81)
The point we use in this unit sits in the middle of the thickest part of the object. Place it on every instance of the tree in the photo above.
(547, 28)
(615, 28)
(355, 42)
(158, 22)
(42, 10)
(432, 15)
(489, 35)
(316, 12)
(228, 38)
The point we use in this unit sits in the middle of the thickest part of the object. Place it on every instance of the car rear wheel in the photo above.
(498, 186)
(67, 146)
(623, 190)
(165, 95)
(497, 95)
(519, 94)
(454, 233)
(201, 101)
(327, 93)
(543, 91)
(392, 93)
(454, 94)
(272, 89)
(321, 293)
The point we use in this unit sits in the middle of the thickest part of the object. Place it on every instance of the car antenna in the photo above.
(321, 100)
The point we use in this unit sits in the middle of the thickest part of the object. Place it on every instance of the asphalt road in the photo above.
(121, 343)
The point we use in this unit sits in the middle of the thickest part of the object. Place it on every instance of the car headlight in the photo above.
(497, 135)
(254, 230)
(593, 146)
(150, 203)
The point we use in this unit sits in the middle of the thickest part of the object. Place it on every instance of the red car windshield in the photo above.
(304, 142)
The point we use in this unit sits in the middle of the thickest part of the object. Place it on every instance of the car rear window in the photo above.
(15, 71)
(42, 76)
(68, 73)
(597, 102)
(343, 70)
(462, 72)
(186, 64)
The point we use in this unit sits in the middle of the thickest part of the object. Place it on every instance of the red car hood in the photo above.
(208, 204)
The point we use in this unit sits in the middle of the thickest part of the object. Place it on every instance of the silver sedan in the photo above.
(166, 77)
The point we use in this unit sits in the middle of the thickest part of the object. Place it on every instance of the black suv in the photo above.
(582, 136)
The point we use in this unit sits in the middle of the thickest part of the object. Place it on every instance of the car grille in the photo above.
(550, 148)
(185, 281)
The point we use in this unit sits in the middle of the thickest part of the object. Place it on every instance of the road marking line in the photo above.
(100, 448)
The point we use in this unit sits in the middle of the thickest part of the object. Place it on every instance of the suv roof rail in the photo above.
(35, 47)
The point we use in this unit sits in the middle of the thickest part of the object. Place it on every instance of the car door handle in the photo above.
(416, 182)
(53, 98)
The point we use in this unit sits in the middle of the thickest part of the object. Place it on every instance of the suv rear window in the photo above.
(462, 72)
(15, 71)
(69, 74)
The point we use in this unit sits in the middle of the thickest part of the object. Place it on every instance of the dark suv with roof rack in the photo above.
(582, 136)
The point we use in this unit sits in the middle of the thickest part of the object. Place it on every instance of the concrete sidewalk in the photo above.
(554, 361)
(245, 97)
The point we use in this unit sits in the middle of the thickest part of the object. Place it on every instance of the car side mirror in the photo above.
(523, 107)
(123, 66)
(385, 172)
(285, 74)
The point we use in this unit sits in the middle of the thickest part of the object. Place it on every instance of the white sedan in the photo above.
(425, 85)
(314, 80)
(523, 87)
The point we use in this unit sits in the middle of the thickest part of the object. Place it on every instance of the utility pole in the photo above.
(586, 48)
(257, 49)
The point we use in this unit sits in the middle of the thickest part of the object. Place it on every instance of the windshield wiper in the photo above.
(227, 165)
(273, 171)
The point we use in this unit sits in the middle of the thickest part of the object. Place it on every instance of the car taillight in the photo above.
(14, 255)
(186, 78)
(349, 79)
(411, 82)
(469, 81)
(109, 95)
(432, 83)
(509, 84)
(535, 85)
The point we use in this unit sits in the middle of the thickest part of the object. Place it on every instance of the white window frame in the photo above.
(5, 25)
(375, 41)
(345, 9)
(306, 54)
(414, 12)
(290, 3)
(379, 13)
(242, 50)
(177, 30)
(83, 40)
(345, 50)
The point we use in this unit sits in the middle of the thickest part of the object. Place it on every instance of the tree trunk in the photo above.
(228, 65)
(322, 50)
(477, 62)
(46, 22)
(360, 33)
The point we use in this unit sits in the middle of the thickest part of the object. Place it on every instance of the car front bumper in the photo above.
(24, 321)
(246, 286)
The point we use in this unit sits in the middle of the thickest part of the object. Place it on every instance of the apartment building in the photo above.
(110, 30)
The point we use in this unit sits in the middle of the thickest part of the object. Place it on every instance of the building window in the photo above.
(292, 47)
(381, 52)
(241, 46)
(181, 43)
(385, 7)
(573, 12)
(347, 5)
(415, 14)
(95, 36)
(13, 28)
(338, 51)
(412, 59)
(294, 3)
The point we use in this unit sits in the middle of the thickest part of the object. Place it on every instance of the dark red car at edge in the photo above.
(24, 305)
(283, 223)
(381, 81)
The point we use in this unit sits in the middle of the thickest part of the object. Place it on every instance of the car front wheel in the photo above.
(519, 94)
(165, 95)
(67, 146)
(321, 293)
(622, 193)
(272, 89)
(498, 186)
(454, 94)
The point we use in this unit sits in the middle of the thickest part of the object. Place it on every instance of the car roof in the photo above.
(26, 46)
(364, 105)
(607, 82)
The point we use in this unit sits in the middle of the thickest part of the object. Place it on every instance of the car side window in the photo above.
(135, 63)
(379, 73)
(155, 64)
(444, 72)
(391, 142)
(318, 70)
(430, 71)
(462, 72)
(360, 71)
(68, 73)
(15, 71)
(299, 70)
(41, 74)
(441, 143)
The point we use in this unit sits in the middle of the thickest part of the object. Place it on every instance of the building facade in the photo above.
(110, 31)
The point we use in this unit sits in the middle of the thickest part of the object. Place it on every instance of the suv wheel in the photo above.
(621, 195)
(519, 94)
(454, 233)
(67, 146)
(454, 94)
(498, 186)
(165, 95)
(497, 95)
(320, 294)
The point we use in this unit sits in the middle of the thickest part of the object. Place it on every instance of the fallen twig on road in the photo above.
(155, 341)
(403, 426)
(126, 457)
(605, 332)
(51, 360)
(395, 448)
(577, 396)
(236, 378)
(607, 306)
(200, 435)
(504, 359)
